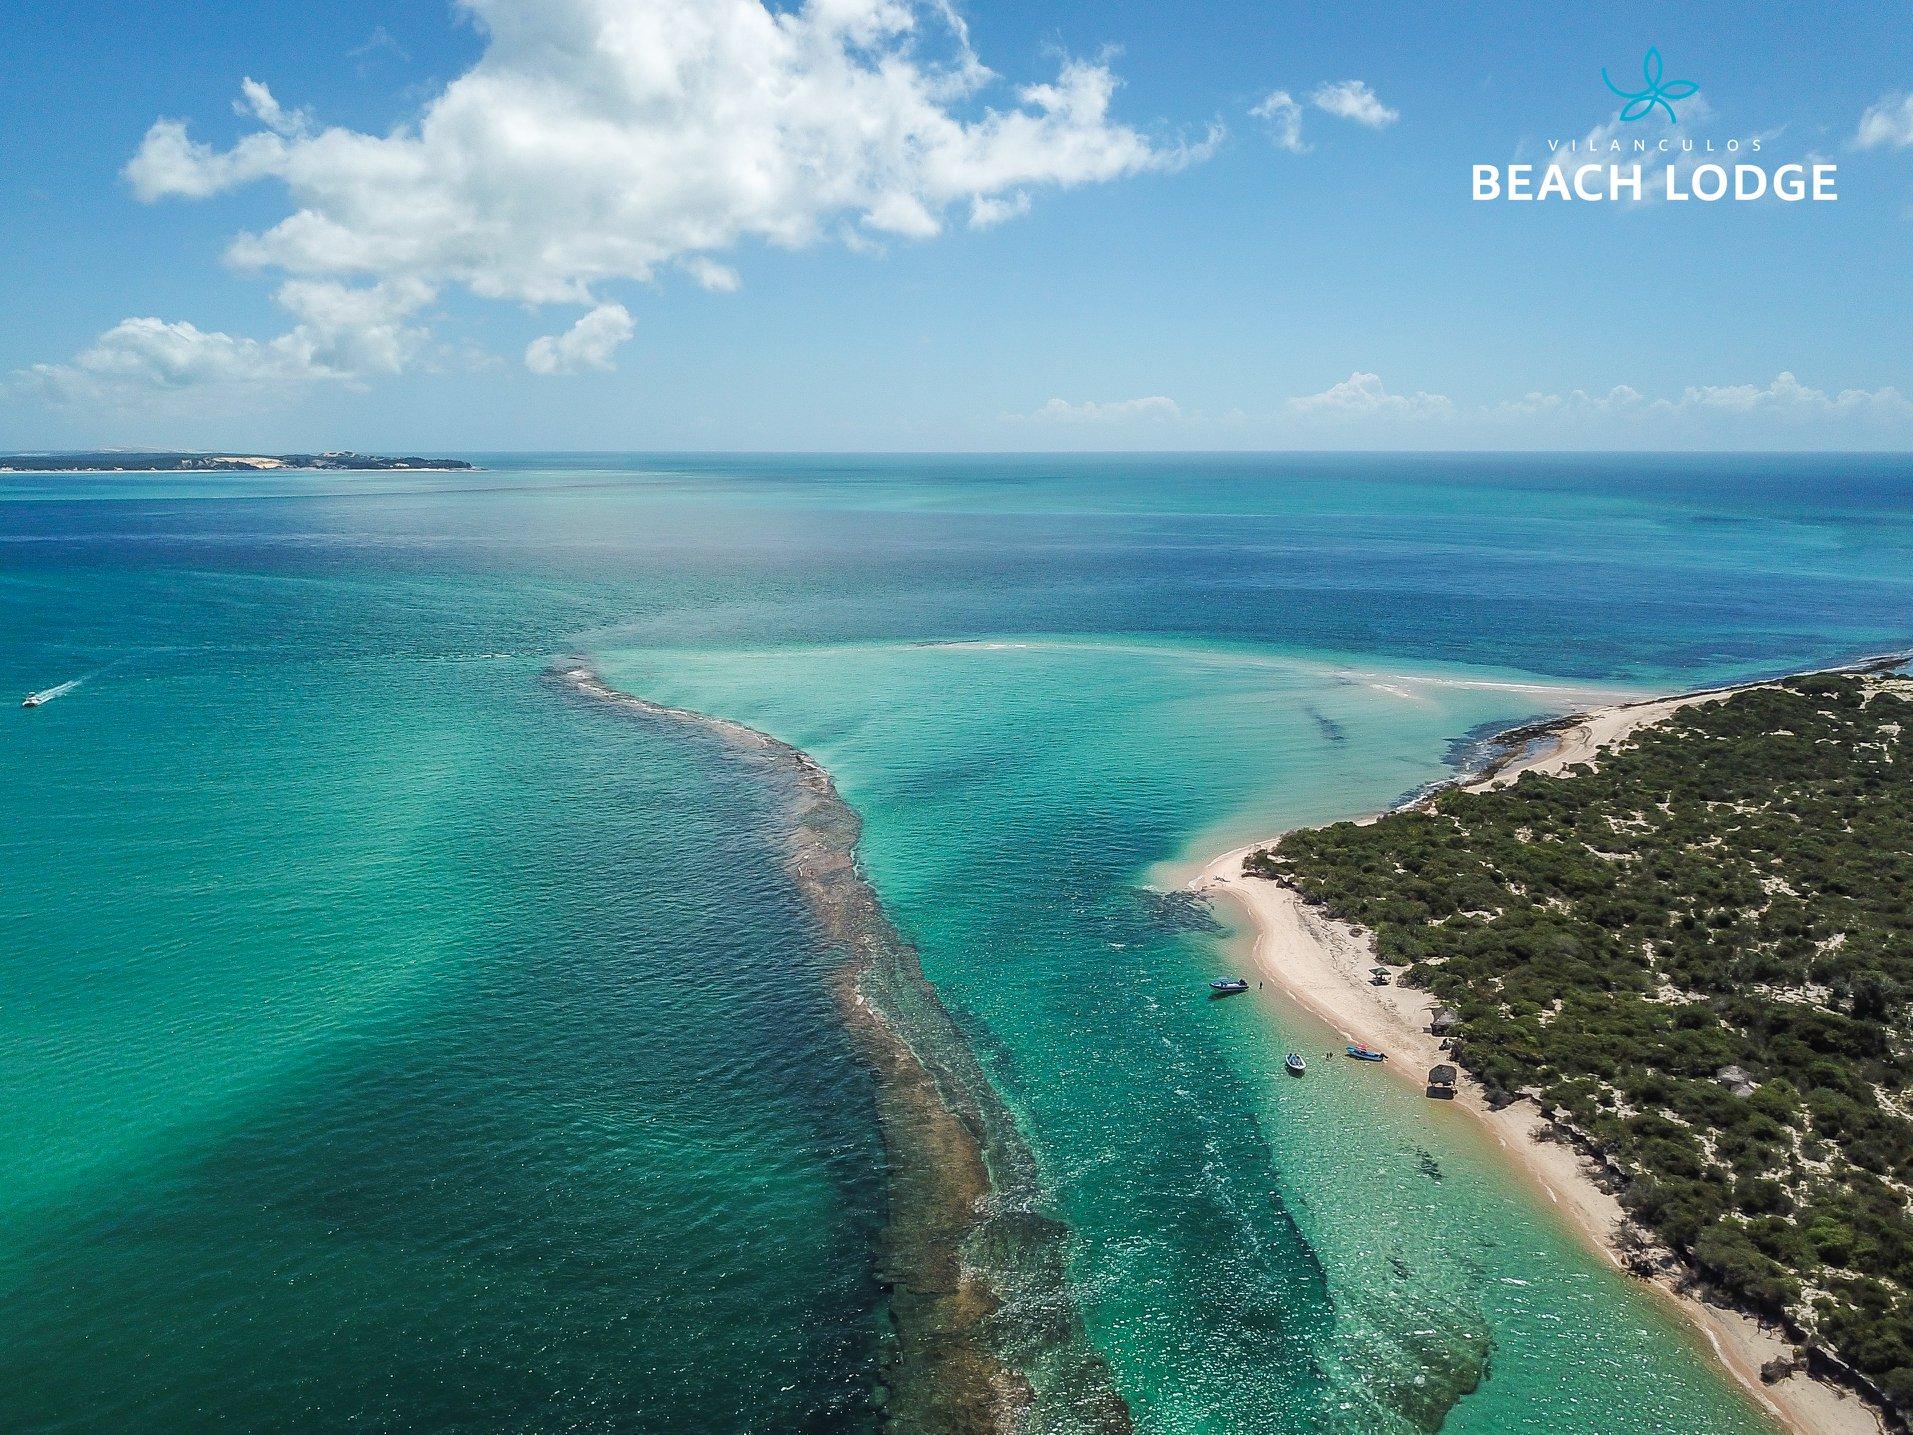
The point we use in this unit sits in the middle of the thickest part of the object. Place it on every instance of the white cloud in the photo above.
(587, 344)
(709, 274)
(1734, 413)
(1361, 412)
(597, 139)
(1696, 408)
(256, 102)
(1155, 409)
(1363, 395)
(169, 162)
(379, 42)
(1786, 395)
(353, 332)
(150, 358)
(1353, 100)
(1283, 118)
(986, 210)
(1577, 403)
(600, 141)
(1888, 122)
(344, 335)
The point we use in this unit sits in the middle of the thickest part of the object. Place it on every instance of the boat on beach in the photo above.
(1296, 1066)
(1228, 986)
(1366, 1053)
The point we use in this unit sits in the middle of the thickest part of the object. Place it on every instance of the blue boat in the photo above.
(1293, 1061)
(1367, 1053)
(1228, 986)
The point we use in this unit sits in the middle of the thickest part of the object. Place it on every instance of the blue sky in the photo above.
(582, 224)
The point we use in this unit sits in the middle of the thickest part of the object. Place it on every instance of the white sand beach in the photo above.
(1324, 965)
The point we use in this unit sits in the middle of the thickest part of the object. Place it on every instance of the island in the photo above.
(1670, 944)
(110, 461)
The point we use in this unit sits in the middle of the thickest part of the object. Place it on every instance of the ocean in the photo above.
(391, 1038)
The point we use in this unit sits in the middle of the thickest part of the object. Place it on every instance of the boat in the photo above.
(1228, 986)
(47, 695)
(1293, 1061)
(1367, 1053)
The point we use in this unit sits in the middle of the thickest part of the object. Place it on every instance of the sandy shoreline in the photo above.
(1323, 964)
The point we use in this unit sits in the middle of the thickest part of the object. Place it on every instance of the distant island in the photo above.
(1690, 947)
(109, 461)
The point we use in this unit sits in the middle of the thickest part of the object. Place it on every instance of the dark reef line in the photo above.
(973, 1351)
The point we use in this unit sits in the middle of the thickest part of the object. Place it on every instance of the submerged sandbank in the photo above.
(1324, 964)
(972, 1269)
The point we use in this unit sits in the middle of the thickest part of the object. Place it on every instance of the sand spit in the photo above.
(1324, 964)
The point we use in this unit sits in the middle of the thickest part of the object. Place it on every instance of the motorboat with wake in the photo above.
(47, 695)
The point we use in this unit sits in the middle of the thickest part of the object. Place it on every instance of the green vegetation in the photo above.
(1731, 888)
(114, 461)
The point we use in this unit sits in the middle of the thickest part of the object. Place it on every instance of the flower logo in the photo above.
(1641, 103)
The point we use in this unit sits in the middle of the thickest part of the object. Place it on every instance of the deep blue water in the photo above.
(392, 1042)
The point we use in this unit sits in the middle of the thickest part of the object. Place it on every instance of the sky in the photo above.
(888, 225)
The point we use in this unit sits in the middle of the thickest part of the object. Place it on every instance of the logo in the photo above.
(1655, 93)
(1655, 164)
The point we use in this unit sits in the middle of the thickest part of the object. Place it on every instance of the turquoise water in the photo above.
(387, 1039)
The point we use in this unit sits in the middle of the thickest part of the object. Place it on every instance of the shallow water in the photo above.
(386, 1039)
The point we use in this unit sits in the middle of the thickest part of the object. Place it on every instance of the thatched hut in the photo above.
(1441, 1082)
(1442, 1021)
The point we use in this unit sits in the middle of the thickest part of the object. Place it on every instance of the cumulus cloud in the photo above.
(1363, 395)
(153, 356)
(1281, 113)
(171, 162)
(344, 334)
(602, 141)
(1705, 410)
(1577, 403)
(1787, 395)
(1353, 100)
(709, 274)
(1784, 400)
(1362, 411)
(1155, 408)
(598, 139)
(1888, 122)
(1282, 117)
(587, 344)
(256, 102)
(987, 210)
